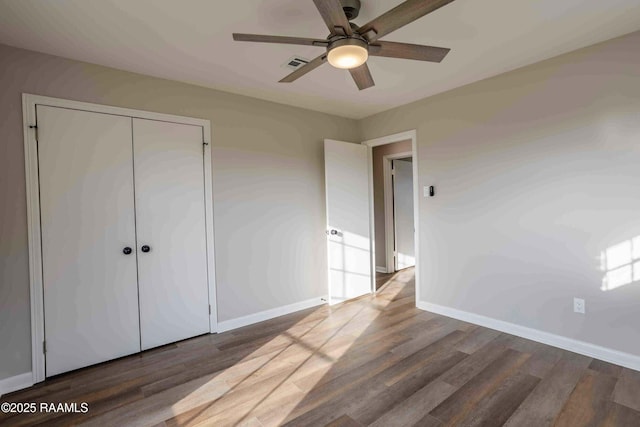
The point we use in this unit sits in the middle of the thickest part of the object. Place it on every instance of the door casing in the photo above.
(29, 103)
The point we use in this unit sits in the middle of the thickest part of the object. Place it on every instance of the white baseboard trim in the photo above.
(381, 269)
(581, 347)
(16, 383)
(239, 322)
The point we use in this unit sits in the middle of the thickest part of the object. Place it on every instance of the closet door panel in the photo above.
(170, 218)
(87, 215)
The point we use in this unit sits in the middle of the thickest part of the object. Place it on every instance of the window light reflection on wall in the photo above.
(621, 264)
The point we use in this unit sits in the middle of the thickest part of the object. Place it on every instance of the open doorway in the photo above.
(393, 209)
(401, 245)
(393, 205)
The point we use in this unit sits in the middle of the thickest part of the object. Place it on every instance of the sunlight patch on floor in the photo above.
(262, 386)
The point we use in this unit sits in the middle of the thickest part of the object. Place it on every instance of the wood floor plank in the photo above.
(543, 357)
(460, 404)
(589, 403)
(418, 360)
(395, 394)
(275, 404)
(344, 421)
(475, 363)
(233, 401)
(495, 408)
(347, 393)
(477, 339)
(318, 369)
(310, 413)
(606, 368)
(621, 416)
(194, 372)
(345, 384)
(378, 331)
(428, 421)
(627, 391)
(297, 358)
(379, 321)
(431, 331)
(412, 410)
(545, 402)
(227, 361)
(162, 406)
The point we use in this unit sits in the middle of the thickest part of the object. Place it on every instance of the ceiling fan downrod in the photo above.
(351, 8)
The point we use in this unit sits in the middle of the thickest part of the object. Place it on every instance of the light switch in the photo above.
(426, 191)
(429, 191)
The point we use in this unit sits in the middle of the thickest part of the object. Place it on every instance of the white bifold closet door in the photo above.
(170, 223)
(87, 219)
(123, 235)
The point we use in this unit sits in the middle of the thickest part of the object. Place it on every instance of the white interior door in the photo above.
(403, 213)
(87, 217)
(170, 218)
(348, 220)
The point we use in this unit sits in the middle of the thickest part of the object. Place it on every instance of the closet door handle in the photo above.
(145, 248)
(127, 250)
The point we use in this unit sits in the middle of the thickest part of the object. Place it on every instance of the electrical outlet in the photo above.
(578, 305)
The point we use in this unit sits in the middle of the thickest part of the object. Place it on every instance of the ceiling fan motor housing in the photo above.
(351, 8)
(354, 40)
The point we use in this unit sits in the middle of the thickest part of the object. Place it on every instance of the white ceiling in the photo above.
(190, 41)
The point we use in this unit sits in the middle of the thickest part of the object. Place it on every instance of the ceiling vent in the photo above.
(295, 62)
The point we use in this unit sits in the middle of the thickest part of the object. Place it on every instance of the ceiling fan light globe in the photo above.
(347, 56)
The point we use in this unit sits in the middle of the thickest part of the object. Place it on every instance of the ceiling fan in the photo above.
(349, 46)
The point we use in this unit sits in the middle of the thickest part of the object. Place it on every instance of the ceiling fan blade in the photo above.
(408, 51)
(399, 16)
(312, 65)
(362, 76)
(279, 39)
(333, 15)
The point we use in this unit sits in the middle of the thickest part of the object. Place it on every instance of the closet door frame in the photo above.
(30, 130)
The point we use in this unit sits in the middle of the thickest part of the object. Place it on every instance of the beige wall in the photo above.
(378, 194)
(268, 184)
(537, 172)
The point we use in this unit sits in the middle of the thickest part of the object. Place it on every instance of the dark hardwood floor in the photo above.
(403, 276)
(382, 279)
(371, 361)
